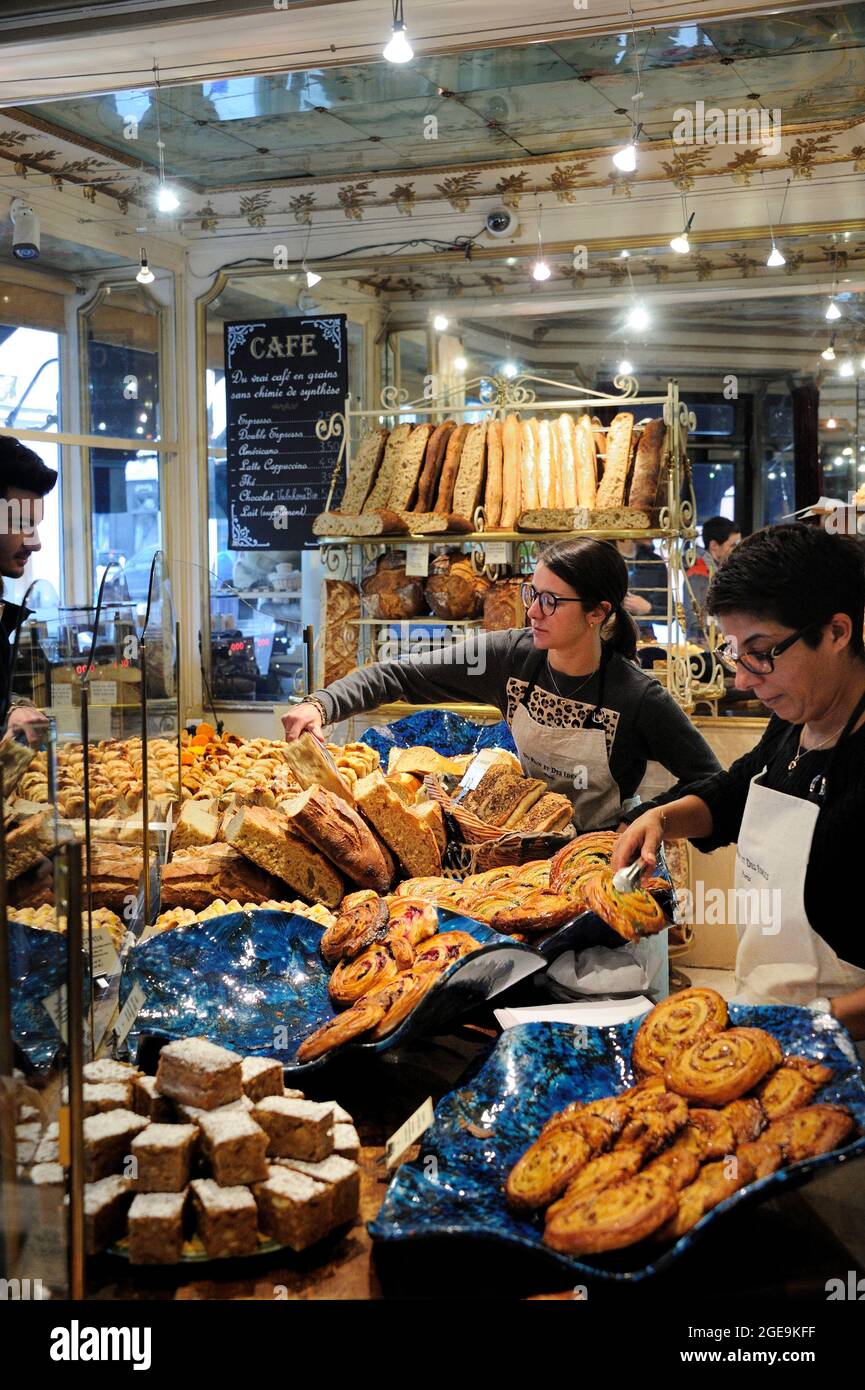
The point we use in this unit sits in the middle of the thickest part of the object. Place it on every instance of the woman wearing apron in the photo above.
(790, 601)
(585, 719)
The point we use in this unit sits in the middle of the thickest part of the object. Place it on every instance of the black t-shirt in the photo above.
(832, 903)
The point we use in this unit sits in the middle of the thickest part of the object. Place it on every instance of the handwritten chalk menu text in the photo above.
(281, 377)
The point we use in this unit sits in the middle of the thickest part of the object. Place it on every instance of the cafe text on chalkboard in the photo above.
(281, 377)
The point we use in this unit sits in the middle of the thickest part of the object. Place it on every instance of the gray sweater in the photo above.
(642, 721)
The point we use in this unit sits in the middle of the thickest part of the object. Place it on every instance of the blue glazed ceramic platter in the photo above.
(37, 968)
(535, 1070)
(255, 982)
(447, 733)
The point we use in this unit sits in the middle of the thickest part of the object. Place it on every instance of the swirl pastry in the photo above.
(599, 1173)
(490, 878)
(637, 1097)
(342, 1029)
(720, 1067)
(676, 1022)
(457, 898)
(400, 998)
(712, 1133)
(678, 1165)
(546, 1168)
(539, 911)
(536, 873)
(615, 1217)
(806, 1133)
(443, 950)
(351, 980)
(793, 1086)
(422, 887)
(362, 925)
(715, 1183)
(632, 915)
(746, 1119)
(412, 920)
(651, 1127)
(764, 1157)
(592, 851)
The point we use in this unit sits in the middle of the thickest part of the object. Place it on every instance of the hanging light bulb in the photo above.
(828, 353)
(638, 318)
(540, 270)
(626, 158)
(846, 368)
(680, 244)
(440, 323)
(145, 275)
(832, 310)
(167, 199)
(311, 278)
(460, 364)
(509, 369)
(775, 257)
(831, 423)
(398, 49)
(626, 368)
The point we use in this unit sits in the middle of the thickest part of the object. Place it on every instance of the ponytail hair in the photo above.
(597, 573)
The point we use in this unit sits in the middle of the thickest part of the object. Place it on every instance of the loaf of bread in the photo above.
(196, 880)
(340, 610)
(503, 606)
(421, 760)
(407, 469)
(406, 786)
(512, 467)
(382, 522)
(195, 826)
(529, 481)
(495, 466)
(26, 844)
(263, 836)
(389, 592)
(548, 519)
(380, 494)
(432, 466)
(546, 465)
(550, 813)
(436, 523)
(586, 462)
(454, 590)
(312, 765)
(647, 466)
(611, 492)
(411, 840)
(469, 485)
(339, 833)
(450, 470)
(600, 436)
(430, 813)
(566, 435)
(362, 473)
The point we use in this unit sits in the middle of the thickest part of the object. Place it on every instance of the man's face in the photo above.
(20, 514)
(721, 553)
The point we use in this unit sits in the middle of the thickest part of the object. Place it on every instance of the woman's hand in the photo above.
(303, 719)
(636, 604)
(640, 840)
(29, 722)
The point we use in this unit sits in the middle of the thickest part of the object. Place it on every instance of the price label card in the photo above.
(408, 1133)
(417, 560)
(61, 694)
(56, 1005)
(497, 552)
(105, 958)
(130, 1011)
(103, 692)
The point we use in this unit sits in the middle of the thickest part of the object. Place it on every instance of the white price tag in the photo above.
(105, 958)
(130, 1011)
(103, 692)
(497, 552)
(61, 694)
(417, 560)
(477, 767)
(406, 1135)
(56, 1005)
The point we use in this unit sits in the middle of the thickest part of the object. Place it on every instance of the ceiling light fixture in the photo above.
(440, 323)
(828, 353)
(832, 310)
(625, 159)
(460, 364)
(312, 279)
(846, 368)
(166, 198)
(626, 368)
(509, 369)
(680, 244)
(775, 258)
(831, 423)
(398, 49)
(540, 269)
(145, 275)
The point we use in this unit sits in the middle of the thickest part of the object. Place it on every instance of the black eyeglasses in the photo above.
(759, 663)
(548, 602)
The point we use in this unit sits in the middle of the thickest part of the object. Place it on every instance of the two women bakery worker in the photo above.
(585, 719)
(790, 601)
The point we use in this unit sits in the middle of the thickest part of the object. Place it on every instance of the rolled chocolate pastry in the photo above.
(441, 952)
(355, 928)
(720, 1067)
(632, 915)
(401, 998)
(676, 1022)
(351, 980)
(351, 1024)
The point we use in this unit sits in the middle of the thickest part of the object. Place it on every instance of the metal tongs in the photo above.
(628, 880)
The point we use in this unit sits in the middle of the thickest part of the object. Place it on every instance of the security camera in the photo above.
(25, 237)
(501, 222)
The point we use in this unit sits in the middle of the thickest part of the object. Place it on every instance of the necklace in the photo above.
(557, 689)
(791, 766)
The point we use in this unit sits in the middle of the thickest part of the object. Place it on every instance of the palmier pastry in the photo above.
(746, 1118)
(764, 1156)
(443, 950)
(539, 911)
(608, 1110)
(792, 1087)
(400, 997)
(342, 1029)
(715, 1183)
(599, 1173)
(806, 1133)
(712, 1131)
(632, 915)
(637, 1096)
(351, 980)
(651, 1128)
(354, 930)
(720, 1067)
(674, 1023)
(546, 1168)
(613, 1218)
(677, 1165)
(412, 920)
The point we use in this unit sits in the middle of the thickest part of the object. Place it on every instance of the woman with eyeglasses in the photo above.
(791, 603)
(585, 719)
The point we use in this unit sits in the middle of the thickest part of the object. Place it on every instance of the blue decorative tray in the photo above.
(537, 1068)
(37, 969)
(255, 982)
(446, 733)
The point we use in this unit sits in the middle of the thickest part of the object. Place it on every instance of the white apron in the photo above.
(781, 959)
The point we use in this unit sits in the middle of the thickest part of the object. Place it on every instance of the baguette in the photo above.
(546, 488)
(512, 451)
(495, 470)
(339, 833)
(450, 469)
(611, 492)
(361, 475)
(468, 489)
(313, 766)
(262, 836)
(411, 840)
(530, 497)
(407, 469)
(565, 431)
(433, 463)
(600, 436)
(380, 493)
(586, 462)
(647, 466)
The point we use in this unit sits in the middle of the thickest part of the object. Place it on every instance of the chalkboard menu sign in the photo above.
(281, 377)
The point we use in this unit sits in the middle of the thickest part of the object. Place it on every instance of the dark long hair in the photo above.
(596, 571)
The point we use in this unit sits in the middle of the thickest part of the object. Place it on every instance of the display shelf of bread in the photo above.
(715, 1108)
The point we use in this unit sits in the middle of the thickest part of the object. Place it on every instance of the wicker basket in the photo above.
(485, 846)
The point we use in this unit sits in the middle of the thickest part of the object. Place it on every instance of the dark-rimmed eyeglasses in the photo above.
(548, 602)
(759, 663)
